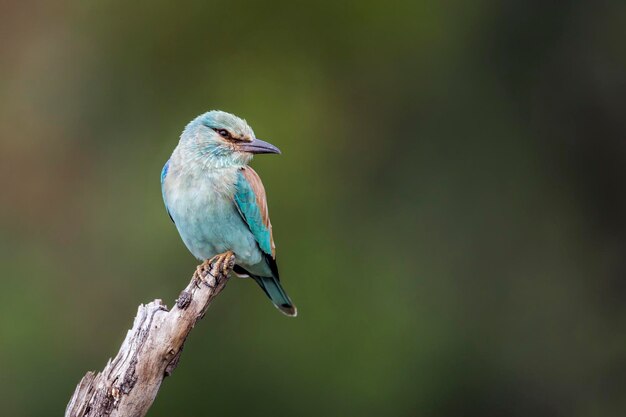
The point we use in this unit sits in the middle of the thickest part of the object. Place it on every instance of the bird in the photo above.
(218, 203)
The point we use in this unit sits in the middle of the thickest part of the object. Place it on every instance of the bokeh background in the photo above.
(449, 207)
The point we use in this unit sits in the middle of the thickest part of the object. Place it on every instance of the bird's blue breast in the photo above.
(201, 204)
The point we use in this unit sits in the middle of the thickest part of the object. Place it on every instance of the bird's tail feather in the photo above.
(271, 286)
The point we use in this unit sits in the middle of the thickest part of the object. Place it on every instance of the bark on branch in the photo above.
(130, 382)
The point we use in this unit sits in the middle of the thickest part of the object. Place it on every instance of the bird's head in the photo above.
(224, 139)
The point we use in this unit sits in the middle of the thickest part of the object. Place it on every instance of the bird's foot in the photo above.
(203, 271)
(223, 263)
(211, 270)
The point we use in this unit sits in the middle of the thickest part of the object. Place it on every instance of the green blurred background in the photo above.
(449, 207)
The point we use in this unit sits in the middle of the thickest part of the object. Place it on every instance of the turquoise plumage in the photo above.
(246, 201)
(218, 202)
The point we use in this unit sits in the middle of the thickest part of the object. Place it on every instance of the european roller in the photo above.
(217, 201)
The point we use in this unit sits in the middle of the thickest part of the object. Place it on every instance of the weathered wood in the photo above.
(130, 382)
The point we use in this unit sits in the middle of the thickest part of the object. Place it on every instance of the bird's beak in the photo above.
(258, 146)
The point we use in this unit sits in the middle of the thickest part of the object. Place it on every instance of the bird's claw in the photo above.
(202, 271)
(224, 262)
(221, 264)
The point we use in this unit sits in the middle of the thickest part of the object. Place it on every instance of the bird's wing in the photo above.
(252, 205)
(166, 167)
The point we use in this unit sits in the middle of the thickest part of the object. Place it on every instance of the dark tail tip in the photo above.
(288, 310)
(271, 286)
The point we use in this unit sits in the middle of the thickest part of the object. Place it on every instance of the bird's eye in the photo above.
(223, 133)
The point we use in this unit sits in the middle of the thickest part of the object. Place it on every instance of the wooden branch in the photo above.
(130, 382)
